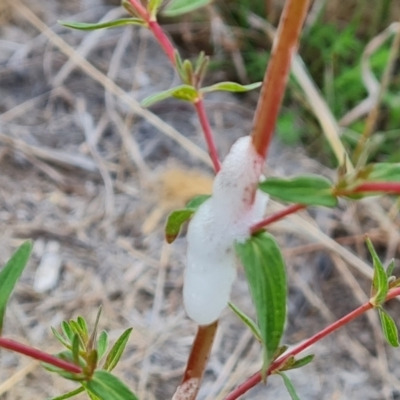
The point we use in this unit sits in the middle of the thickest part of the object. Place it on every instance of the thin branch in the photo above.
(371, 187)
(205, 124)
(277, 216)
(277, 73)
(39, 355)
(256, 378)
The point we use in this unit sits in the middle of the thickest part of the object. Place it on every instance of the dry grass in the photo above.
(84, 165)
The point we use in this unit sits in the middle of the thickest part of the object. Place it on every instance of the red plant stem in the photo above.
(277, 216)
(386, 187)
(142, 12)
(197, 362)
(277, 73)
(163, 40)
(38, 355)
(169, 50)
(205, 124)
(256, 378)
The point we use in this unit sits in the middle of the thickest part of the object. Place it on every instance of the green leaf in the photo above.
(266, 276)
(108, 387)
(230, 87)
(10, 274)
(93, 335)
(174, 223)
(307, 189)
(75, 348)
(179, 7)
(387, 172)
(116, 351)
(302, 361)
(153, 7)
(82, 26)
(181, 92)
(68, 332)
(380, 284)
(289, 386)
(197, 201)
(247, 321)
(70, 394)
(61, 339)
(389, 328)
(82, 323)
(102, 344)
(390, 268)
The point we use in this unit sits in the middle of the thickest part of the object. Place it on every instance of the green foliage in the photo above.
(389, 328)
(181, 92)
(108, 387)
(10, 274)
(177, 218)
(82, 26)
(86, 350)
(230, 87)
(179, 7)
(266, 276)
(247, 321)
(289, 386)
(380, 285)
(117, 350)
(308, 189)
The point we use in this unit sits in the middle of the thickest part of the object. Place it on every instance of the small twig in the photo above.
(39, 355)
(277, 216)
(205, 124)
(256, 378)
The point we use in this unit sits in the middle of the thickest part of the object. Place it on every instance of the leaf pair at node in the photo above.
(87, 350)
(381, 282)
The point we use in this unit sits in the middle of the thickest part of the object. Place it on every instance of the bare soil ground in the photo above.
(91, 179)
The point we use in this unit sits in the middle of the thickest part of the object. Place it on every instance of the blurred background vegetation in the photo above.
(333, 42)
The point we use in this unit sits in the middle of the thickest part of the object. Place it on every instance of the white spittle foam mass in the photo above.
(219, 222)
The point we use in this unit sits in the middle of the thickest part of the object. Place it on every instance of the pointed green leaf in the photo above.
(61, 339)
(387, 172)
(179, 7)
(289, 386)
(10, 274)
(68, 332)
(84, 329)
(390, 268)
(231, 87)
(247, 321)
(116, 351)
(93, 336)
(389, 328)
(302, 361)
(153, 7)
(197, 201)
(129, 8)
(307, 189)
(91, 395)
(82, 26)
(69, 394)
(174, 223)
(108, 387)
(181, 92)
(266, 276)
(380, 284)
(75, 348)
(102, 344)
